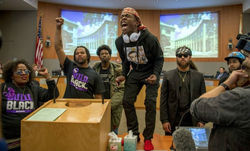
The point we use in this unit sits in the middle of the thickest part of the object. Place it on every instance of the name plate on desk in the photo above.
(209, 83)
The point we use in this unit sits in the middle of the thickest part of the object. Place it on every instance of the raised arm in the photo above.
(58, 40)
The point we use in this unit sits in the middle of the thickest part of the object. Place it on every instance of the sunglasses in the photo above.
(19, 72)
(180, 55)
(245, 53)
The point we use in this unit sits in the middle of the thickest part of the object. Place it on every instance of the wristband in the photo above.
(225, 86)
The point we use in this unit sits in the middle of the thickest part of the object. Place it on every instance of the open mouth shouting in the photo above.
(124, 26)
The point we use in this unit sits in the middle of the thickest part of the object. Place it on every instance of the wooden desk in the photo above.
(80, 128)
(159, 142)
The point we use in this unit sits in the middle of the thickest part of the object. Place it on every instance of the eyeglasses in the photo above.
(180, 55)
(19, 72)
(245, 53)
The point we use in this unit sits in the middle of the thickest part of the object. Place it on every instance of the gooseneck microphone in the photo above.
(102, 98)
(172, 145)
(54, 92)
(182, 117)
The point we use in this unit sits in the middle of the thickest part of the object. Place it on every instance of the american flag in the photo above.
(39, 47)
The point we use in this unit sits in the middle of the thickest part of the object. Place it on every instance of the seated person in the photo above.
(234, 62)
(221, 73)
(20, 97)
(35, 69)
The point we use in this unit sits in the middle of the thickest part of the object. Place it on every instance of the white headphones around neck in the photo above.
(133, 37)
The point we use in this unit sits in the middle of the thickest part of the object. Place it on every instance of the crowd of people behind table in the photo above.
(183, 88)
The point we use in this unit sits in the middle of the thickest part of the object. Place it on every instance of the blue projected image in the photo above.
(88, 29)
(198, 31)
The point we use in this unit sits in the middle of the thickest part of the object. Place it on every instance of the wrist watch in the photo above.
(225, 86)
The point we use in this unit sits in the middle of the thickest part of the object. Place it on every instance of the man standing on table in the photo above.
(146, 69)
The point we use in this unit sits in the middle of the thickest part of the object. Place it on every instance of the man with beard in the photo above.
(234, 61)
(109, 71)
(179, 88)
(136, 38)
(82, 81)
(227, 106)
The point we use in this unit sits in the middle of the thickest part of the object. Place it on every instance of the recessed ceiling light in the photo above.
(1, 2)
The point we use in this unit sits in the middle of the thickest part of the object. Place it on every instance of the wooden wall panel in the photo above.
(229, 18)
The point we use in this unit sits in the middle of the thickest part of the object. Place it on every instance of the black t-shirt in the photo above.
(17, 103)
(81, 82)
(106, 81)
(184, 91)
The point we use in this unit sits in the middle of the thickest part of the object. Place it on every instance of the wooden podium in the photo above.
(79, 128)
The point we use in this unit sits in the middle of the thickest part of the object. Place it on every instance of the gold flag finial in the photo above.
(41, 13)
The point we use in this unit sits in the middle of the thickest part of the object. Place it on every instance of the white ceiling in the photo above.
(119, 4)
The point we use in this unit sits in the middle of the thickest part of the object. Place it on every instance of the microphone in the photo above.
(172, 146)
(54, 92)
(182, 117)
(183, 140)
(102, 98)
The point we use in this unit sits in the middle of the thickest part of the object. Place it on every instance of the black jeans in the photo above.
(133, 85)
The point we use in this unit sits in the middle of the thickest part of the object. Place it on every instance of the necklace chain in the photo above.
(183, 78)
(21, 89)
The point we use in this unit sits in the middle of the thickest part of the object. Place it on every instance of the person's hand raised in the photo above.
(59, 22)
(44, 72)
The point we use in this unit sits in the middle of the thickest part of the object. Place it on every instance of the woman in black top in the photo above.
(20, 97)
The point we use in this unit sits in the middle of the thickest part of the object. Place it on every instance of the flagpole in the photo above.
(240, 26)
(39, 45)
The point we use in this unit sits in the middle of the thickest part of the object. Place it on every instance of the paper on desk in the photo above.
(46, 114)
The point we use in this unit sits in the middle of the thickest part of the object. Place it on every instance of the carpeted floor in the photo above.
(141, 119)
